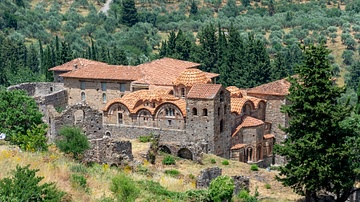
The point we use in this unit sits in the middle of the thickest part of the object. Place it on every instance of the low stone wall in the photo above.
(38, 88)
(109, 151)
(206, 175)
(241, 182)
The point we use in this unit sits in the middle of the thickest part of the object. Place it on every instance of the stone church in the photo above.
(168, 97)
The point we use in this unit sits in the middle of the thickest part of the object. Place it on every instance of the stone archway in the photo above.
(164, 149)
(185, 153)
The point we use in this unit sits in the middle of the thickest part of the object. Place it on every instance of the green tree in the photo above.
(73, 141)
(193, 8)
(316, 145)
(221, 189)
(19, 116)
(352, 78)
(24, 186)
(129, 15)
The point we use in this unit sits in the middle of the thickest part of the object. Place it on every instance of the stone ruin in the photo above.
(208, 174)
(107, 150)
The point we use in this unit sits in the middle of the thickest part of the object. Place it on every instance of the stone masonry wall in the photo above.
(206, 175)
(38, 88)
(93, 92)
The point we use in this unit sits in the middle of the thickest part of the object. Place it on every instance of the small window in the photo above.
(104, 97)
(51, 89)
(120, 118)
(169, 122)
(103, 86)
(221, 126)
(224, 109)
(82, 85)
(218, 111)
(194, 111)
(222, 96)
(205, 112)
(82, 96)
(182, 92)
(122, 87)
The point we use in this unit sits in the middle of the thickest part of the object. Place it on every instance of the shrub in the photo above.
(254, 167)
(246, 197)
(197, 195)
(168, 160)
(172, 172)
(221, 188)
(73, 141)
(192, 176)
(33, 140)
(79, 181)
(213, 161)
(225, 162)
(145, 138)
(124, 188)
(24, 186)
(267, 186)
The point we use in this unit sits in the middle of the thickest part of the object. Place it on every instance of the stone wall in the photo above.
(38, 88)
(93, 91)
(241, 182)
(110, 151)
(206, 175)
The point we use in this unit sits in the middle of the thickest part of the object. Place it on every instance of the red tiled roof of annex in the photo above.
(279, 87)
(237, 104)
(268, 136)
(76, 63)
(204, 91)
(247, 121)
(163, 71)
(192, 76)
(235, 92)
(105, 72)
(238, 146)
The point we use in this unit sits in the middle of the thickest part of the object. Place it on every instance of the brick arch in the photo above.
(165, 105)
(185, 153)
(248, 107)
(168, 115)
(165, 149)
(115, 106)
(144, 117)
(261, 107)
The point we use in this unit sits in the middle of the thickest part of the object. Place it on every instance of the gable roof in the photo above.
(247, 121)
(76, 63)
(279, 87)
(105, 72)
(163, 71)
(204, 91)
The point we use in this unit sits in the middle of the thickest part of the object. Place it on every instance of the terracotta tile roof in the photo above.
(255, 100)
(78, 62)
(247, 121)
(192, 76)
(238, 146)
(204, 91)
(237, 104)
(235, 92)
(268, 136)
(134, 101)
(279, 87)
(163, 71)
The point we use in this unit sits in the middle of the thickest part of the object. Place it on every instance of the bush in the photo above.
(172, 172)
(168, 160)
(24, 186)
(124, 188)
(254, 167)
(246, 197)
(197, 195)
(225, 162)
(213, 161)
(78, 181)
(73, 141)
(145, 138)
(33, 140)
(267, 186)
(221, 188)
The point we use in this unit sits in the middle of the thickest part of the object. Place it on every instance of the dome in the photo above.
(234, 92)
(192, 76)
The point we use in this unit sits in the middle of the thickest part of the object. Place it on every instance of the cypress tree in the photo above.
(129, 15)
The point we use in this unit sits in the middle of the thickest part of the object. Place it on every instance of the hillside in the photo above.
(57, 168)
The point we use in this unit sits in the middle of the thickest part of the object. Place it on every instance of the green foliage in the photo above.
(73, 141)
(172, 172)
(267, 186)
(129, 15)
(352, 78)
(145, 138)
(213, 161)
(168, 160)
(79, 181)
(221, 188)
(225, 162)
(21, 121)
(124, 188)
(254, 167)
(79, 168)
(317, 146)
(201, 195)
(24, 186)
(245, 196)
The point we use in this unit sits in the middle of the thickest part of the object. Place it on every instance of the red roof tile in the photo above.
(279, 87)
(237, 104)
(247, 121)
(255, 100)
(204, 91)
(192, 76)
(268, 136)
(238, 146)
(235, 92)
(78, 63)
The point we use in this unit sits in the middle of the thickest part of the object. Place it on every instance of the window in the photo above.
(194, 111)
(82, 85)
(82, 96)
(103, 86)
(205, 112)
(221, 126)
(218, 111)
(221, 96)
(182, 92)
(169, 122)
(104, 97)
(224, 109)
(170, 112)
(120, 118)
(122, 87)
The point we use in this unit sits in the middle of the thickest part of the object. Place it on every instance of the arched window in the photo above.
(104, 97)
(221, 126)
(222, 96)
(182, 92)
(194, 111)
(218, 111)
(224, 109)
(205, 112)
(82, 96)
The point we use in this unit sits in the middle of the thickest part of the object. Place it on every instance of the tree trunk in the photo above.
(307, 196)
